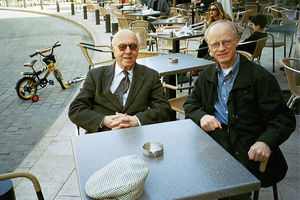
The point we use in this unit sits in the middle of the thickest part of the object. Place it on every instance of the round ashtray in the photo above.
(153, 149)
(173, 60)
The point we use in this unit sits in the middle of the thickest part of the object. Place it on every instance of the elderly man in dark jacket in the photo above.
(239, 104)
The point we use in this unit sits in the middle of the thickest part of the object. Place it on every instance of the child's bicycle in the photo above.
(27, 86)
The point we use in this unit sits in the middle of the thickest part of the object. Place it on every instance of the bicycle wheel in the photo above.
(59, 78)
(26, 87)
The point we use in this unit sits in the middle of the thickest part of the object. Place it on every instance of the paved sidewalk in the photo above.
(52, 160)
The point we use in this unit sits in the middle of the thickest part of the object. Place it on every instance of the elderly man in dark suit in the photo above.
(122, 95)
(239, 104)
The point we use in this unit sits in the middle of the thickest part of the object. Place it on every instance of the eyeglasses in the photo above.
(123, 47)
(225, 43)
(212, 9)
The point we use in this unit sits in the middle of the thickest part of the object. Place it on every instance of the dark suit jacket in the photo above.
(146, 98)
(256, 112)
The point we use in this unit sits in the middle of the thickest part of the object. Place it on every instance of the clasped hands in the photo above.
(259, 151)
(119, 121)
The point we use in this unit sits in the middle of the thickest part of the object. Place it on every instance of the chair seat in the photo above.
(177, 103)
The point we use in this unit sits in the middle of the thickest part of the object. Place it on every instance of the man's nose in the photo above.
(127, 49)
(221, 47)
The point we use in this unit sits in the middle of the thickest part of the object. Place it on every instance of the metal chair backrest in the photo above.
(246, 54)
(140, 23)
(123, 22)
(260, 44)
(244, 19)
(288, 16)
(253, 9)
(141, 34)
(85, 47)
(292, 71)
(276, 14)
(31, 177)
(90, 8)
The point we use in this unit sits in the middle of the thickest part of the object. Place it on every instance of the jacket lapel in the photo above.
(212, 91)
(137, 82)
(106, 82)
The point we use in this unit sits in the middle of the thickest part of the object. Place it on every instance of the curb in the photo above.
(53, 15)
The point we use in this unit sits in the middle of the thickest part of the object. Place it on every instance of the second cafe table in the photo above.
(186, 63)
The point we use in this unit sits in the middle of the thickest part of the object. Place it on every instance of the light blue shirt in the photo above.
(225, 83)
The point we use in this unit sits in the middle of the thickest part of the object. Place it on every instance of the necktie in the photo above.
(122, 88)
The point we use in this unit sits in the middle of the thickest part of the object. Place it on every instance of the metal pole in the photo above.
(57, 6)
(72, 9)
(114, 28)
(97, 15)
(42, 4)
(107, 23)
(84, 12)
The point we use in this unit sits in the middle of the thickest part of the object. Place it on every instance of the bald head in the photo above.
(219, 25)
(125, 33)
(125, 48)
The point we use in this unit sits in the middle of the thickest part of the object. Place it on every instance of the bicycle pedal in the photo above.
(51, 82)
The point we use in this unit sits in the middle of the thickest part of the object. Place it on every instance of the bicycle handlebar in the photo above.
(45, 50)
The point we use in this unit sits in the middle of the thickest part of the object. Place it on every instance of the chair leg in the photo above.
(275, 192)
(290, 101)
(255, 195)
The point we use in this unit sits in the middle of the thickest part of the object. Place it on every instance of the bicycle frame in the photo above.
(28, 85)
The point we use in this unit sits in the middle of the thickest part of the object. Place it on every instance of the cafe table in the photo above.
(145, 13)
(193, 165)
(176, 39)
(186, 63)
(128, 9)
(169, 21)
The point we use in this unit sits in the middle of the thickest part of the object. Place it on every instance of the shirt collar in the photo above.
(235, 66)
(119, 70)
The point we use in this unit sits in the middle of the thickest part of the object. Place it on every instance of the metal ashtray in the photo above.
(153, 149)
(173, 60)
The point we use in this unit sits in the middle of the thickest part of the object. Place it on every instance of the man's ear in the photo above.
(237, 41)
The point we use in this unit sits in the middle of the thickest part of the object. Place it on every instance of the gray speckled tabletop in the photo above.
(185, 63)
(193, 165)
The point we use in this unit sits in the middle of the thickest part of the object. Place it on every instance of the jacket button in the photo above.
(236, 153)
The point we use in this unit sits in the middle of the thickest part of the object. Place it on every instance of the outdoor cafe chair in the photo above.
(86, 48)
(262, 169)
(102, 12)
(177, 102)
(242, 17)
(123, 22)
(292, 72)
(288, 16)
(31, 177)
(260, 44)
(252, 8)
(275, 44)
(276, 13)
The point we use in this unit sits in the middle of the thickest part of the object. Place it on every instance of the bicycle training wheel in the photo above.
(26, 87)
(59, 78)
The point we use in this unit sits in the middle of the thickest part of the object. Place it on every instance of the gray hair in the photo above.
(220, 22)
